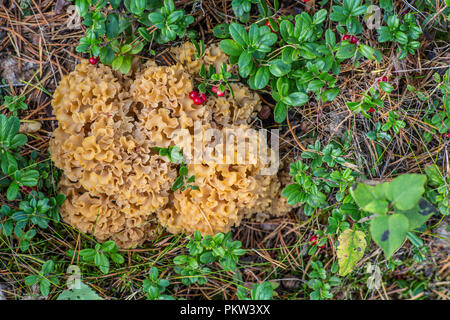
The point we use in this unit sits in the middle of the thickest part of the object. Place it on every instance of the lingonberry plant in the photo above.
(348, 15)
(35, 210)
(100, 255)
(176, 156)
(204, 251)
(437, 190)
(320, 282)
(295, 55)
(45, 278)
(154, 287)
(369, 103)
(313, 182)
(242, 8)
(14, 104)
(439, 110)
(405, 34)
(13, 175)
(114, 36)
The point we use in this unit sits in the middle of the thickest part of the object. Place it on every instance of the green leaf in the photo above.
(126, 64)
(60, 198)
(296, 99)
(230, 47)
(102, 262)
(280, 112)
(315, 85)
(415, 240)
(387, 87)
(389, 232)
(239, 34)
(32, 280)
(117, 258)
(330, 38)
(108, 246)
(117, 63)
(367, 51)
(261, 78)
(222, 31)
(278, 68)
(406, 190)
(169, 5)
(176, 155)
(45, 287)
(320, 16)
(82, 7)
(262, 291)
(12, 191)
(286, 29)
(330, 94)
(178, 183)
(17, 141)
(29, 178)
(144, 34)
(175, 16)
(47, 267)
(346, 51)
(245, 63)
(371, 199)
(112, 26)
(418, 215)
(115, 3)
(155, 18)
(350, 249)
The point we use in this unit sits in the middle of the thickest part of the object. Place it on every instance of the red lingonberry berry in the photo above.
(353, 40)
(371, 110)
(383, 78)
(313, 240)
(214, 89)
(93, 60)
(198, 101)
(346, 37)
(203, 97)
(448, 135)
(193, 94)
(268, 24)
(220, 93)
(27, 189)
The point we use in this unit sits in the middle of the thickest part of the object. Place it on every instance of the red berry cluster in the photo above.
(313, 241)
(446, 135)
(352, 39)
(197, 98)
(383, 78)
(217, 91)
(93, 60)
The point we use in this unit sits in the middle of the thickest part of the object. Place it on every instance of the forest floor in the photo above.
(37, 48)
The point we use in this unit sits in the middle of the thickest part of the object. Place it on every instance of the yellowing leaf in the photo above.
(351, 246)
